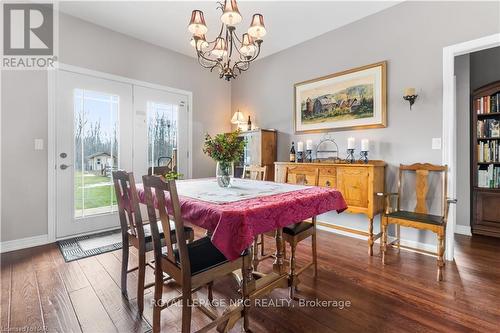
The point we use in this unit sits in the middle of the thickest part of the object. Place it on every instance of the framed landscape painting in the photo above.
(353, 99)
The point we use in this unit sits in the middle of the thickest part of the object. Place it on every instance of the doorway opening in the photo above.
(450, 123)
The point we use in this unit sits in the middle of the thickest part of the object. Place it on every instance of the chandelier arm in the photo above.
(230, 42)
(205, 65)
(238, 39)
(241, 69)
(201, 55)
(220, 34)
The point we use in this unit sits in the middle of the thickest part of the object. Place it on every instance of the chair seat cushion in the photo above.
(203, 255)
(149, 237)
(417, 217)
(297, 228)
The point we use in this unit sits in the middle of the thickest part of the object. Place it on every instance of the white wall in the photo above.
(411, 37)
(24, 112)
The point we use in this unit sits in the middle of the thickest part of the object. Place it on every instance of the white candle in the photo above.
(300, 146)
(365, 145)
(309, 145)
(351, 142)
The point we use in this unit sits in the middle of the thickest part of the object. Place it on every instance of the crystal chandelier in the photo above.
(228, 53)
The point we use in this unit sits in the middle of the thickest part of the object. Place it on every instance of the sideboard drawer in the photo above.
(328, 177)
(353, 183)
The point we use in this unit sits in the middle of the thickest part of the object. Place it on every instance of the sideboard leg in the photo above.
(370, 238)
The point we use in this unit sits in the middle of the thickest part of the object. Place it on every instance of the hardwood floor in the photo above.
(40, 291)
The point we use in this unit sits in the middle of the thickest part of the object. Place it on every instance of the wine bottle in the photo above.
(249, 123)
(292, 153)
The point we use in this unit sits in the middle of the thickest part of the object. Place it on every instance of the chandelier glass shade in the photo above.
(227, 53)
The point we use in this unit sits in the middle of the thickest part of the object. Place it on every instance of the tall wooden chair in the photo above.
(256, 172)
(191, 265)
(295, 233)
(159, 170)
(135, 232)
(419, 218)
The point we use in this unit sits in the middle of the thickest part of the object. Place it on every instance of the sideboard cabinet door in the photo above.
(353, 183)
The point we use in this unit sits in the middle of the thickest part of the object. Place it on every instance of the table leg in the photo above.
(278, 266)
(248, 267)
(255, 253)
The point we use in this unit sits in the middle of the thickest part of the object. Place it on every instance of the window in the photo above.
(162, 133)
(95, 140)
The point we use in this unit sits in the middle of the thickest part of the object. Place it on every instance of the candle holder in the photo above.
(300, 157)
(309, 157)
(364, 157)
(350, 156)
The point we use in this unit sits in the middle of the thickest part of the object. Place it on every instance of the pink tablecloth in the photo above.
(235, 224)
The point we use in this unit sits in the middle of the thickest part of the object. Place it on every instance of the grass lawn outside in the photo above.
(96, 191)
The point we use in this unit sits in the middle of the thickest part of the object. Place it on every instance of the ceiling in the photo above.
(164, 23)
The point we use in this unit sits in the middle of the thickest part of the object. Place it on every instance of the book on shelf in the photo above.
(488, 128)
(488, 176)
(488, 151)
(487, 104)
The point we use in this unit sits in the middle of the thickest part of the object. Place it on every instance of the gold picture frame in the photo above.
(323, 104)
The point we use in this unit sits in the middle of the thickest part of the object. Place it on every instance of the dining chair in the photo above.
(136, 232)
(159, 170)
(295, 233)
(256, 172)
(191, 265)
(419, 217)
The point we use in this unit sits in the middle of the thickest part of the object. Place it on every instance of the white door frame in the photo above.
(450, 120)
(51, 135)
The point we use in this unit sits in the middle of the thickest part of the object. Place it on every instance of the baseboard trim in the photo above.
(463, 230)
(23, 243)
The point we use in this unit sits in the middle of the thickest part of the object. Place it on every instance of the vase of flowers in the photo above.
(225, 149)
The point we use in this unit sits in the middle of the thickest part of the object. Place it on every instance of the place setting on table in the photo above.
(235, 212)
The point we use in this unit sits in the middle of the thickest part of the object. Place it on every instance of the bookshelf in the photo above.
(485, 160)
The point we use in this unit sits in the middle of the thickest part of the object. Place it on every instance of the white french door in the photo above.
(104, 125)
(161, 130)
(92, 117)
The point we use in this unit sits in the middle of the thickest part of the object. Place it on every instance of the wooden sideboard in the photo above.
(359, 184)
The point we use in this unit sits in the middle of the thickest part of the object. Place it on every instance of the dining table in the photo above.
(234, 216)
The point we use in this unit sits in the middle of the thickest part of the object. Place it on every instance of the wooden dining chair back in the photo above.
(295, 233)
(254, 172)
(135, 232)
(132, 230)
(192, 265)
(159, 170)
(431, 182)
(302, 176)
(128, 203)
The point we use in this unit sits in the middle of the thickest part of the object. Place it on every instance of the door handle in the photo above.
(64, 166)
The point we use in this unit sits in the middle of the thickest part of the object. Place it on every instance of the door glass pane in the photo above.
(162, 134)
(96, 151)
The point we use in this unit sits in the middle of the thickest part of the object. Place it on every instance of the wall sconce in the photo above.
(410, 96)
